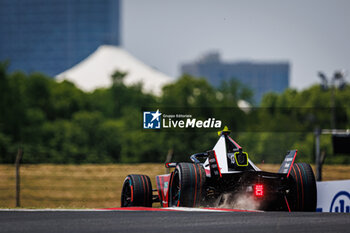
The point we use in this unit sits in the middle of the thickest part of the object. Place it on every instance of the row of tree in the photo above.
(55, 122)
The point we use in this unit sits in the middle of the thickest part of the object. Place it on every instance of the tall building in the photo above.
(260, 77)
(51, 36)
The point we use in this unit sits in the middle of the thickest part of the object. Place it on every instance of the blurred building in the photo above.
(51, 36)
(261, 77)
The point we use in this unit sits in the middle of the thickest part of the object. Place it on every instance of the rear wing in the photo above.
(288, 162)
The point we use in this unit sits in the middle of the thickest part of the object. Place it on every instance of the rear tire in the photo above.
(137, 191)
(186, 185)
(303, 195)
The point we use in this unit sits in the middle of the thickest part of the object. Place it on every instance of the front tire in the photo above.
(303, 196)
(137, 191)
(186, 185)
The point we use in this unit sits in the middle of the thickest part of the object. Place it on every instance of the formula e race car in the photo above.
(225, 177)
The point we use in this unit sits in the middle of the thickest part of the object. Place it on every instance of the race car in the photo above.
(225, 177)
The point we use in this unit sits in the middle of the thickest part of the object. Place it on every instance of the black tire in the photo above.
(186, 185)
(137, 191)
(303, 195)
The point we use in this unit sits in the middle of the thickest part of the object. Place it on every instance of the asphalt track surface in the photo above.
(156, 221)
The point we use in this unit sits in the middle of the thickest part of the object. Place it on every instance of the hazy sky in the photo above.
(312, 35)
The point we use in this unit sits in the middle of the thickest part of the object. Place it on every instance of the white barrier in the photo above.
(333, 196)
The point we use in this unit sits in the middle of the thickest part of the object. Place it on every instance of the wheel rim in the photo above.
(126, 194)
